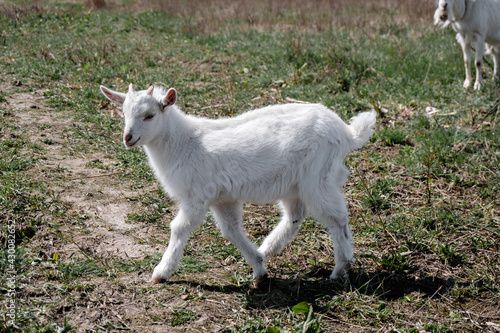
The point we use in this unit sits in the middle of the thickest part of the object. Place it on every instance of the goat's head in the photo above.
(444, 5)
(142, 111)
(443, 14)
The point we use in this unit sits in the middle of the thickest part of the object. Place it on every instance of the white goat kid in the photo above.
(293, 153)
(476, 22)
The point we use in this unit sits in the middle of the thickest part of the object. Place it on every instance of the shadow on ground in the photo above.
(286, 292)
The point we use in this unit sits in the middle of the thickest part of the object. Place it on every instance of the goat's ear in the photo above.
(113, 96)
(150, 90)
(170, 98)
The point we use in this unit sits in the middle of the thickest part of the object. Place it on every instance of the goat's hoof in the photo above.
(338, 275)
(156, 278)
(261, 278)
(342, 271)
(477, 86)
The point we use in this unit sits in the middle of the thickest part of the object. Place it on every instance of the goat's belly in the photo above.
(494, 40)
(268, 193)
(266, 189)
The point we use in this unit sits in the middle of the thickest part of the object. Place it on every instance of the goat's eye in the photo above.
(149, 117)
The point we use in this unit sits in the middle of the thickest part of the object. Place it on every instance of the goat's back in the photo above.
(266, 154)
(481, 17)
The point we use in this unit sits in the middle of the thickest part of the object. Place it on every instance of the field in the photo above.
(84, 222)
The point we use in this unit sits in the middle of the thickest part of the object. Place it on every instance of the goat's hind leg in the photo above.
(342, 246)
(495, 52)
(294, 212)
(465, 43)
(181, 228)
(335, 216)
(229, 219)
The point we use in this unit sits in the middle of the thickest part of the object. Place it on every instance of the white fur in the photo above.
(477, 22)
(292, 153)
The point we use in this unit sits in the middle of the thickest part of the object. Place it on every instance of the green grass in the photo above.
(91, 221)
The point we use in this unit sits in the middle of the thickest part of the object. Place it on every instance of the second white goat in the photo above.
(292, 153)
(476, 22)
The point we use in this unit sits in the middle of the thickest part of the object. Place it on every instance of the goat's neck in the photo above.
(459, 10)
(173, 140)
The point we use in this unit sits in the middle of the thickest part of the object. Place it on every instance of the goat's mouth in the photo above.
(131, 144)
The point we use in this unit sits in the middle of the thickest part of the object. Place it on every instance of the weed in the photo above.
(253, 326)
(450, 255)
(309, 324)
(75, 269)
(416, 245)
(54, 328)
(144, 217)
(379, 196)
(393, 136)
(181, 316)
(395, 262)
(98, 164)
(192, 265)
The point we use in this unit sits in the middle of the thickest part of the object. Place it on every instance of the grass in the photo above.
(91, 221)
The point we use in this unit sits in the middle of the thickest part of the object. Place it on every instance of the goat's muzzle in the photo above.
(128, 140)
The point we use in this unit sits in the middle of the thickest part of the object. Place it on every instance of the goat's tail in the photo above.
(361, 128)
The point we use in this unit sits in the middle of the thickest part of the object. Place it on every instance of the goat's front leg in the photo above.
(181, 228)
(466, 47)
(479, 62)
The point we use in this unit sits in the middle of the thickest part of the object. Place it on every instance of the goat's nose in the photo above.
(127, 137)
